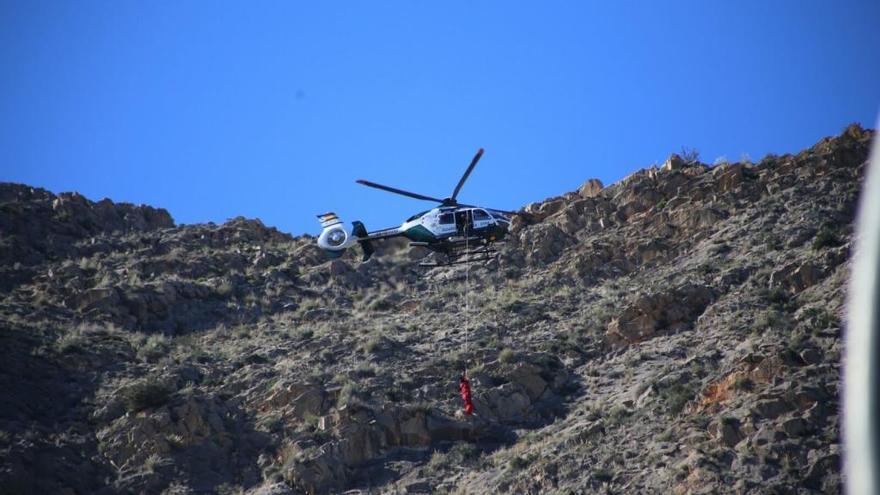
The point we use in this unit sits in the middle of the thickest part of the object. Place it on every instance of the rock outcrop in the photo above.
(652, 314)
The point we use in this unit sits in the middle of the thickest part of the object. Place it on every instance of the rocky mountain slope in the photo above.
(676, 332)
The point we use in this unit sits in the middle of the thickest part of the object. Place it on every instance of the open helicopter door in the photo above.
(464, 221)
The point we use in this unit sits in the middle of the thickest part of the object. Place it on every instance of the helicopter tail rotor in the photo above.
(335, 237)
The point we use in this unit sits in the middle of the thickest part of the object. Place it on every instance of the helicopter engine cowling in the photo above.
(335, 238)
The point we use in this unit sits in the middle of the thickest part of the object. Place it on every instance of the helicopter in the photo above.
(457, 232)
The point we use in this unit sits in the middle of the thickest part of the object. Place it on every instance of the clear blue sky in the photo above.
(273, 109)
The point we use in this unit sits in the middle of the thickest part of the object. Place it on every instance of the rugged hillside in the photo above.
(677, 332)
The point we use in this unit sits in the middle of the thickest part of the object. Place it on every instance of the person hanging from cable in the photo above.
(465, 387)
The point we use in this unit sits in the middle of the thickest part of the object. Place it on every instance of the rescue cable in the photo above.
(467, 294)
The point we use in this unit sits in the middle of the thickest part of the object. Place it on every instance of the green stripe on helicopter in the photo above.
(419, 233)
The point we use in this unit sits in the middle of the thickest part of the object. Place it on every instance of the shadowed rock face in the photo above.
(652, 314)
(675, 332)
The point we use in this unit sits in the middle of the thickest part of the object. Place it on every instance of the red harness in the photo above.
(465, 386)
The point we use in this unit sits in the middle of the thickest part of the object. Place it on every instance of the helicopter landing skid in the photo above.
(459, 258)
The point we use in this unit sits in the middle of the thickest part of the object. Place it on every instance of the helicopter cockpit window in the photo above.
(481, 215)
(447, 219)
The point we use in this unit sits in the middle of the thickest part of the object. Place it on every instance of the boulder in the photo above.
(691, 217)
(198, 421)
(103, 297)
(674, 162)
(647, 252)
(795, 427)
(528, 376)
(637, 200)
(339, 267)
(771, 408)
(322, 473)
(728, 177)
(590, 188)
(297, 399)
(414, 430)
(507, 403)
(544, 243)
(663, 312)
(726, 431)
(536, 212)
(795, 277)
(820, 468)
(568, 220)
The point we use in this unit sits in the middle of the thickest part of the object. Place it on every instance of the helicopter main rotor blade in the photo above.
(467, 173)
(398, 191)
(506, 212)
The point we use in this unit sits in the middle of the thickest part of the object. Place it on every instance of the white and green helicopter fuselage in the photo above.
(440, 229)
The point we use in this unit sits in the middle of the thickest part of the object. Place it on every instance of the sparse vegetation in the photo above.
(348, 393)
(771, 319)
(154, 462)
(70, 342)
(461, 454)
(364, 370)
(381, 304)
(373, 344)
(507, 355)
(677, 397)
(521, 462)
(777, 296)
(152, 347)
(145, 394)
(820, 319)
(617, 414)
(825, 238)
(225, 289)
(602, 475)
(690, 156)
